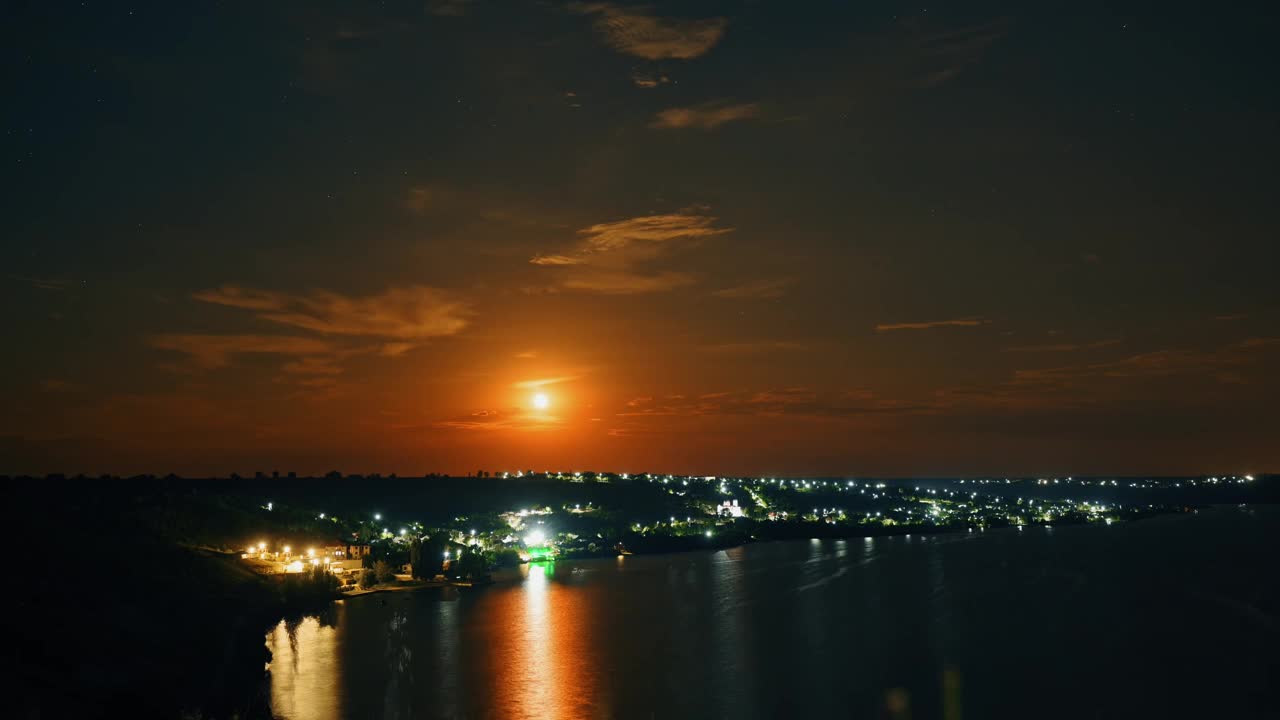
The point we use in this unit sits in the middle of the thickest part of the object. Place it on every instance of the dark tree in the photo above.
(470, 564)
(383, 572)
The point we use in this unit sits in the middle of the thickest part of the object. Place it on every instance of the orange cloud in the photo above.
(961, 322)
(542, 382)
(766, 289)
(213, 351)
(1062, 347)
(623, 283)
(620, 235)
(312, 366)
(1159, 363)
(747, 348)
(646, 80)
(795, 401)
(606, 256)
(557, 260)
(511, 419)
(411, 313)
(705, 117)
(634, 32)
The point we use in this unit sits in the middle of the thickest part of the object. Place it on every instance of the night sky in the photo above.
(755, 237)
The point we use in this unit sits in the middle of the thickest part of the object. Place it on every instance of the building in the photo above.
(348, 555)
(730, 509)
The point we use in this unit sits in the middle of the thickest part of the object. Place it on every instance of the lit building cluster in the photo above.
(337, 559)
(701, 510)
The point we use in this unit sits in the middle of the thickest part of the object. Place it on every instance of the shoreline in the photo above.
(904, 532)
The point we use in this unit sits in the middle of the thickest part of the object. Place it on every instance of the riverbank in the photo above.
(747, 531)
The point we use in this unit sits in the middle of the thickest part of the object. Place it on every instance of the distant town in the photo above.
(241, 553)
(332, 527)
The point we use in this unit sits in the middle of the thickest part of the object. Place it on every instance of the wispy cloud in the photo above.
(959, 322)
(706, 116)
(411, 313)
(764, 289)
(1062, 347)
(448, 8)
(1259, 342)
(751, 348)
(559, 260)
(649, 231)
(213, 351)
(943, 54)
(44, 283)
(312, 366)
(793, 401)
(543, 382)
(431, 197)
(607, 255)
(649, 80)
(634, 31)
(628, 283)
(513, 419)
(1158, 363)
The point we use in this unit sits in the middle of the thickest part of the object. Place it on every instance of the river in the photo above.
(1174, 616)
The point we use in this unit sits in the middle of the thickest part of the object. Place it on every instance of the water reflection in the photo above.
(306, 668)
(448, 657)
(733, 667)
(539, 652)
(866, 627)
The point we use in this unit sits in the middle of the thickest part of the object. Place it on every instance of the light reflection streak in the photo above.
(733, 668)
(540, 655)
(447, 657)
(306, 671)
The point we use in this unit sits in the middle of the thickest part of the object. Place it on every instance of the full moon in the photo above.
(541, 401)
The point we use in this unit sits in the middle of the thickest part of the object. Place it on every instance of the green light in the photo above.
(540, 553)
